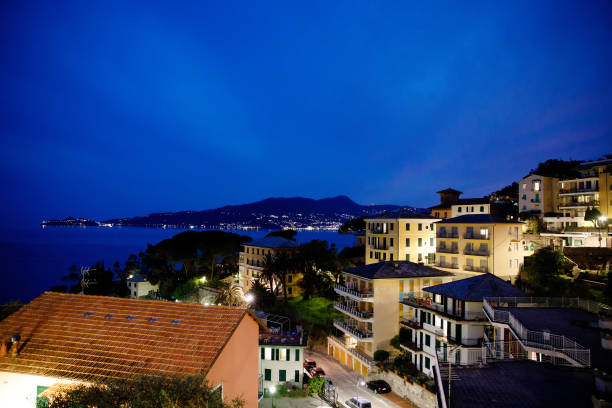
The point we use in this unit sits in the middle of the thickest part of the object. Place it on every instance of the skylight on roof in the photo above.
(131, 317)
(109, 315)
(176, 321)
(152, 319)
(88, 313)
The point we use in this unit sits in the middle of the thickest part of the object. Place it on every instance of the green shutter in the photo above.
(297, 354)
(277, 354)
(263, 353)
(297, 375)
(268, 374)
(288, 355)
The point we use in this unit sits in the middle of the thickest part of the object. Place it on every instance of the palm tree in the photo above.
(230, 295)
(285, 264)
(270, 271)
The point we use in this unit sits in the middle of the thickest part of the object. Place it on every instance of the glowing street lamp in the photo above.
(272, 391)
(602, 220)
(249, 298)
(203, 279)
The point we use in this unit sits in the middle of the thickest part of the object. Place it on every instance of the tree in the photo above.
(319, 265)
(287, 234)
(592, 214)
(230, 295)
(381, 355)
(9, 308)
(607, 293)
(315, 385)
(355, 225)
(269, 271)
(142, 392)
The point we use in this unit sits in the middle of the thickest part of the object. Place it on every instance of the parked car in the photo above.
(308, 364)
(317, 372)
(379, 386)
(359, 403)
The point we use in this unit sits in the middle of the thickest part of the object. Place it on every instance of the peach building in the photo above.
(67, 338)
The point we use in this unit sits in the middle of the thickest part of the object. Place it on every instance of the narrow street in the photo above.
(346, 381)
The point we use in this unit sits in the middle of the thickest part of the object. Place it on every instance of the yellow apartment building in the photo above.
(252, 260)
(401, 236)
(372, 313)
(481, 243)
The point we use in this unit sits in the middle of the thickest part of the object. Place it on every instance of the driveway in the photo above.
(346, 381)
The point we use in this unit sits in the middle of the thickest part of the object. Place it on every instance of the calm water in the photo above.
(33, 260)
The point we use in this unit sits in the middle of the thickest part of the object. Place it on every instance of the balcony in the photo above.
(476, 252)
(417, 299)
(354, 293)
(433, 329)
(355, 332)
(570, 191)
(379, 231)
(467, 235)
(445, 250)
(445, 234)
(381, 247)
(410, 346)
(447, 265)
(472, 268)
(413, 324)
(354, 312)
(579, 204)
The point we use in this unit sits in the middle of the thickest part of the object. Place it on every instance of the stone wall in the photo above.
(418, 395)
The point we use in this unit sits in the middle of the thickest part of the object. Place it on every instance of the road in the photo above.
(346, 381)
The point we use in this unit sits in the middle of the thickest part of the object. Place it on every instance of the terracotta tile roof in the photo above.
(91, 337)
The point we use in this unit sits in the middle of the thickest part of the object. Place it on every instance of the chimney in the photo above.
(3, 349)
(15, 346)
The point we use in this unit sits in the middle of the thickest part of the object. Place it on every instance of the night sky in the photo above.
(113, 110)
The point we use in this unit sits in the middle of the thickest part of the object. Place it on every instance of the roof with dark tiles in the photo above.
(476, 288)
(272, 242)
(87, 337)
(396, 270)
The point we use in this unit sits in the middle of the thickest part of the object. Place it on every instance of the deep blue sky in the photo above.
(114, 110)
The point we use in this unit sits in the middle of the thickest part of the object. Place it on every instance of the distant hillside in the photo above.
(271, 213)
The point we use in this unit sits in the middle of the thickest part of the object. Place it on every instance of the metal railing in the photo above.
(579, 204)
(358, 333)
(477, 252)
(461, 356)
(468, 235)
(418, 299)
(446, 234)
(446, 250)
(352, 350)
(554, 343)
(438, 331)
(353, 292)
(353, 311)
(410, 345)
(415, 324)
(557, 302)
(447, 265)
(473, 268)
(578, 190)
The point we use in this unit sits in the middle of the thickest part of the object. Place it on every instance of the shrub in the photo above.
(381, 355)
(395, 342)
(315, 385)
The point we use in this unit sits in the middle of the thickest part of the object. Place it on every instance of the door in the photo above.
(458, 333)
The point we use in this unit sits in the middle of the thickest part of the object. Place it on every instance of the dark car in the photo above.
(379, 386)
(317, 372)
(308, 364)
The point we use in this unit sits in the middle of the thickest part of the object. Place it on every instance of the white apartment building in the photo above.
(139, 286)
(281, 359)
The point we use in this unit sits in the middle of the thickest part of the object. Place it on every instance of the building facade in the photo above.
(252, 260)
(538, 194)
(140, 287)
(401, 236)
(449, 317)
(371, 310)
(281, 359)
(481, 243)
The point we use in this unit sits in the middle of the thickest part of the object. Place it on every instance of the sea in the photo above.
(32, 259)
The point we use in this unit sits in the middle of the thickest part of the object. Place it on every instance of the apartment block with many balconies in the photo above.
(449, 317)
(481, 243)
(401, 236)
(370, 304)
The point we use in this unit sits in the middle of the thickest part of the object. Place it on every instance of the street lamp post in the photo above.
(272, 391)
(602, 220)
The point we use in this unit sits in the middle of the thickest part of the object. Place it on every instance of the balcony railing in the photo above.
(355, 351)
(357, 333)
(482, 269)
(448, 250)
(413, 324)
(467, 235)
(578, 190)
(344, 290)
(575, 204)
(447, 265)
(410, 346)
(417, 299)
(353, 311)
(547, 341)
(476, 252)
(438, 331)
(446, 234)
(381, 247)
(379, 231)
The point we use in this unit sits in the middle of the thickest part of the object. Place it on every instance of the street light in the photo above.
(602, 220)
(272, 391)
(359, 382)
(249, 297)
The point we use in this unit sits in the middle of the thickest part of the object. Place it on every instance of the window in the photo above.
(263, 353)
(431, 241)
(371, 255)
(269, 354)
(524, 196)
(390, 242)
(472, 210)
(268, 374)
(459, 209)
(431, 227)
(482, 208)
(284, 355)
(420, 227)
(297, 355)
(420, 258)
(524, 186)
(536, 185)
(420, 241)
(384, 254)
(135, 293)
(297, 376)
(391, 226)
(290, 291)
(509, 263)
(282, 375)
(438, 299)
(408, 257)
(289, 278)
(407, 226)
(427, 363)
(390, 257)
(407, 242)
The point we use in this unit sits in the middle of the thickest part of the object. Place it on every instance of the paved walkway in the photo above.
(346, 382)
(307, 402)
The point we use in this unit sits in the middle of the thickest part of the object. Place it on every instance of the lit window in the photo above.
(268, 353)
(536, 186)
(438, 299)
